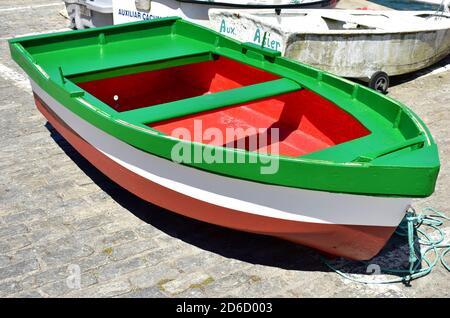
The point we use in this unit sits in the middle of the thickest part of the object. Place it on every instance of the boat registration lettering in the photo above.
(137, 14)
(227, 29)
(250, 34)
(268, 42)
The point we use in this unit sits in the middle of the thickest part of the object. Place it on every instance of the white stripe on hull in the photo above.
(241, 195)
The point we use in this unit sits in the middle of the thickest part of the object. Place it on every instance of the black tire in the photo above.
(73, 25)
(379, 82)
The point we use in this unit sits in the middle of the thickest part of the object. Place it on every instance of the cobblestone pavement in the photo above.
(59, 215)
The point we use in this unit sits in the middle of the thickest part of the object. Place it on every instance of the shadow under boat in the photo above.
(246, 247)
(404, 78)
(400, 79)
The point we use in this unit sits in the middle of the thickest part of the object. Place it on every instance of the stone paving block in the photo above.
(195, 262)
(91, 237)
(226, 284)
(116, 269)
(104, 242)
(14, 257)
(49, 234)
(13, 243)
(152, 276)
(98, 197)
(64, 251)
(78, 191)
(258, 286)
(51, 221)
(226, 267)
(119, 225)
(91, 222)
(186, 281)
(45, 277)
(119, 237)
(147, 231)
(150, 292)
(192, 293)
(164, 254)
(9, 288)
(164, 239)
(109, 289)
(316, 288)
(62, 287)
(16, 270)
(11, 230)
(56, 274)
(132, 248)
(26, 216)
(27, 294)
(94, 261)
(4, 260)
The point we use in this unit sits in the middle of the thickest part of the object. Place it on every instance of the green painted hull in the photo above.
(398, 158)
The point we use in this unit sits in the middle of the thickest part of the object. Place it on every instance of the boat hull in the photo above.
(389, 53)
(355, 53)
(352, 226)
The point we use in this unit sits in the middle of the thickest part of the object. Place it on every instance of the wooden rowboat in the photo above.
(152, 104)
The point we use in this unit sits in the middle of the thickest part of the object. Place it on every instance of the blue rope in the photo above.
(433, 219)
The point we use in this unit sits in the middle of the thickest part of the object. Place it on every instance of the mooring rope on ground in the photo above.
(411, 224)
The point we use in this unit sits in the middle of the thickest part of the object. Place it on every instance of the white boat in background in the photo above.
(364, 44)
(96, 13)
(197, 10)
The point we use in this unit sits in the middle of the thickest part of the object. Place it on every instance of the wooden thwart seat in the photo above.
(208, 102)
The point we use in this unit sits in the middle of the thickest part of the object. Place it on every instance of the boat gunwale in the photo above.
(154, 65)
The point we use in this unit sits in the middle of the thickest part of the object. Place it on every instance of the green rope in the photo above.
(434, 219)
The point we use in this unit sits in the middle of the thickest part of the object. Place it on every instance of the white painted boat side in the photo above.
(241, 195)
(350, 43)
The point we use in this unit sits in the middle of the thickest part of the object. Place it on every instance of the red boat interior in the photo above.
(170, 84)
(290, 124)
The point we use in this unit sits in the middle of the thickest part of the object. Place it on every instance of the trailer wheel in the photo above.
(379, 82)
(73, 24)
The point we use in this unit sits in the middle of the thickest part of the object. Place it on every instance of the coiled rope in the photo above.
(411, 224)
